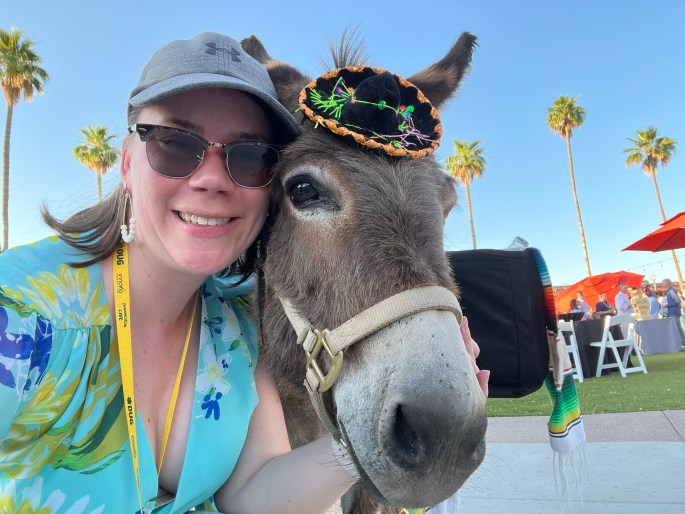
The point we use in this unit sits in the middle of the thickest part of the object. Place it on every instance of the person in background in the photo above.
(661, 296)
(574, 306)
(640, 304)
(674, 307)
(654, 306)
(622, 301)
(602, 308)
(583, 305)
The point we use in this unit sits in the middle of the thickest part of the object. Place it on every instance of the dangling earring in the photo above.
(127, 233)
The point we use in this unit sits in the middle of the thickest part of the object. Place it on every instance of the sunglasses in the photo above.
(177, 153)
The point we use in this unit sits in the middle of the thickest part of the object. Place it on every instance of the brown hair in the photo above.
(94, 230)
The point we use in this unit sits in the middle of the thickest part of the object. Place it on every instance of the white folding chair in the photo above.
(572, 348)
(628, 342)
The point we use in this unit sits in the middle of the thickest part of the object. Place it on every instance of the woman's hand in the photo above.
(472, 348)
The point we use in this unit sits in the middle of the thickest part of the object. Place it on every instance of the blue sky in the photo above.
(622, 59)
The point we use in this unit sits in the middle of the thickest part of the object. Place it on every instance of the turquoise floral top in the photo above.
(63, 442)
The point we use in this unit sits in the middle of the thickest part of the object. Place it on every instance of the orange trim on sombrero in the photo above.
(342, 130)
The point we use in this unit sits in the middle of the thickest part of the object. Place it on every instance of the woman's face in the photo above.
(227, 217)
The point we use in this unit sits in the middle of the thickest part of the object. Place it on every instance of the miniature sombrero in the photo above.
(375, 108)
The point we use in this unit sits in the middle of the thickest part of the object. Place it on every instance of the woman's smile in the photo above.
(202, 220)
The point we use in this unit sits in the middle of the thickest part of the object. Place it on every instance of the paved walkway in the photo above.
(636, 464)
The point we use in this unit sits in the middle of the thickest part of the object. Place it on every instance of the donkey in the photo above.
(351, 228)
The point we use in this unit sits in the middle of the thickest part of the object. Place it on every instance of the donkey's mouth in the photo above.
(202, 220)
(365, 479)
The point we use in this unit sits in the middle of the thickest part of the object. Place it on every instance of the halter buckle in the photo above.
(325, 380)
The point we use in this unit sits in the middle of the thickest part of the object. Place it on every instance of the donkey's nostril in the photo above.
(407, 444)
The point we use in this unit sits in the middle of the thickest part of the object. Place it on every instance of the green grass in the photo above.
(663, 388)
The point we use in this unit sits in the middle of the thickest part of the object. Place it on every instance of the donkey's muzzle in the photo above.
(416, 422)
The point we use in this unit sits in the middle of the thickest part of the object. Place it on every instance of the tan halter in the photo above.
(333, 342)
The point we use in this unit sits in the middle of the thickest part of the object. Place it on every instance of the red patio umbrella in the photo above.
(596, 284)
(669, 236)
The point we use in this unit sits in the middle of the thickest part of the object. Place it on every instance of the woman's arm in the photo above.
(270, 478)
(25, 345)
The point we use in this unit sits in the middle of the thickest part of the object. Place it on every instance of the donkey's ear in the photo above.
(287, 80)
(440, 80)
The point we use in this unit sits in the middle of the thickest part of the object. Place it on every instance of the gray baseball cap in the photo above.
(208, 60)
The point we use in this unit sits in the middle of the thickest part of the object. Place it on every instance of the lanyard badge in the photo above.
(122, 312)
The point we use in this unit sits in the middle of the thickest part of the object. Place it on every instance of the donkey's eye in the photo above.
(301, 193)
(307, 193)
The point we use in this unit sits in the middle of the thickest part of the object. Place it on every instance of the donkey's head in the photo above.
(357, 223)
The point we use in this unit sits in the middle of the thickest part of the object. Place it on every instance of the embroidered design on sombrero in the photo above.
(375, 108)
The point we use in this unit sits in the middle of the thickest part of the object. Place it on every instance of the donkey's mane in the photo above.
(348, 51)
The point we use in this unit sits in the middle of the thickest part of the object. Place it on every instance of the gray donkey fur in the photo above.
(352, 227)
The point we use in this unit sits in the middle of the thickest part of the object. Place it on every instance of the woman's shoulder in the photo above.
(38, 278)
(44, 254)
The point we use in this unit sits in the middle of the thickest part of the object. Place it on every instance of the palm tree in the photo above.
(466, 164)
(20, 75)
(649, 151)
(562, 117)
(96, 153)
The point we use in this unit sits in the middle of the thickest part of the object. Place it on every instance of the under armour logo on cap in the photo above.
(212, 49)
(182, 65)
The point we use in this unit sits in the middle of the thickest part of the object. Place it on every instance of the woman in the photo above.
(575, 306)
(64, 426)
(128, 371)
(654, 307)
(583, 305)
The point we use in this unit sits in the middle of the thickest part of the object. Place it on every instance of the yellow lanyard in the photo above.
(122, 302)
